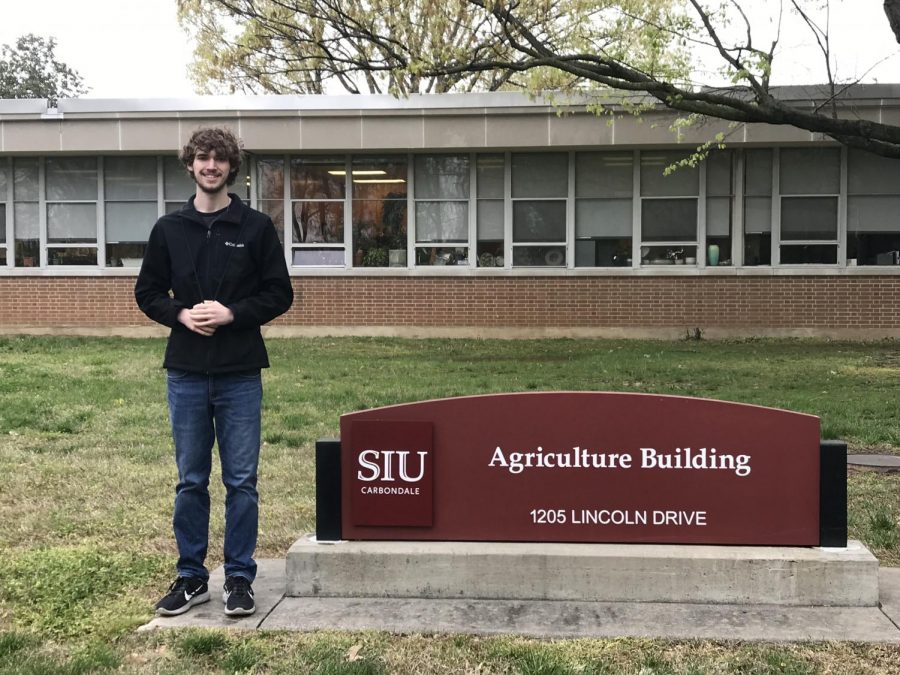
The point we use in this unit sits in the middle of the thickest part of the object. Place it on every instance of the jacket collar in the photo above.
(232, 213)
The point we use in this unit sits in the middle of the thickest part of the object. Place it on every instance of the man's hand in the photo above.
(205, 317)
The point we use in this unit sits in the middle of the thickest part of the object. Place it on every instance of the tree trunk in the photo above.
(892, 9)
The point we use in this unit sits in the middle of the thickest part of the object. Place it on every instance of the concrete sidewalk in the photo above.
(544, 618)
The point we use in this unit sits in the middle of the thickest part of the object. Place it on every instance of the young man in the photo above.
(226, 271)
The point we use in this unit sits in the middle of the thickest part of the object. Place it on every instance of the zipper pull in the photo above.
(208, 233)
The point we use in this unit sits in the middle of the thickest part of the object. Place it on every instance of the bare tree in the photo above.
(723, 29)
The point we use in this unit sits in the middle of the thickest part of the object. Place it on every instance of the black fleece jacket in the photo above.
(237, 261)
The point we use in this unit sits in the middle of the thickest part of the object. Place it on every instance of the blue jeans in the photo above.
(204, 408)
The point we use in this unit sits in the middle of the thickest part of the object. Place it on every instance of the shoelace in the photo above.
(180, 584)
(240, 587)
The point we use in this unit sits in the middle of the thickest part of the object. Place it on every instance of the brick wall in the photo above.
(816, 304)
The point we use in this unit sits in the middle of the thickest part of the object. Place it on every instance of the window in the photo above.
(757, 207)
(718, 207)
(668, 210)
(318, 187)
(178, 186)
(809, 182)
(873, 209)
(442, 209)
(129, 192)
(490, 182)
(539, 195)
(27, 249)
(71, 210)
(379, 210)
(603, 208)
(270, 191)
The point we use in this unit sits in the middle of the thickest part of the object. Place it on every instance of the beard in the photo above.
(214, 190)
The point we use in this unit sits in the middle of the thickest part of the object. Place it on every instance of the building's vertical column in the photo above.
(737, 209)
(636, 213)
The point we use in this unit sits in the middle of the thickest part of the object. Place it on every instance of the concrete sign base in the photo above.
(756, 575)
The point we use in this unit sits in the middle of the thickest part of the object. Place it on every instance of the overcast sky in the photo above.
(136, 49)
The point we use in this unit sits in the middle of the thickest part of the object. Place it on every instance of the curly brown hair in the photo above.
(214, 139)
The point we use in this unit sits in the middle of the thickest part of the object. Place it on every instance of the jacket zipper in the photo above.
(208, 282)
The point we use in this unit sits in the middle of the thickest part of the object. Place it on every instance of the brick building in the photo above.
(470, 214)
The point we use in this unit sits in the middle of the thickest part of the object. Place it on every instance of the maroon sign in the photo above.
(582, 467)
(392, 477)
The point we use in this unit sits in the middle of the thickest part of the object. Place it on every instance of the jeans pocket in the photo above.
(176, 374)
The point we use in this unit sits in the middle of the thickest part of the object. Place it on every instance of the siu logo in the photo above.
(390, 465)
(390, 473)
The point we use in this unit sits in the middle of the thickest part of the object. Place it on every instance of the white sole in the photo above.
(196, 600)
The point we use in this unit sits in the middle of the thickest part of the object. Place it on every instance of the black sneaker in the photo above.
(184, 593)
(238, 597)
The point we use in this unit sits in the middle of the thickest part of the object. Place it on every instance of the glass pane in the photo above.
(442, 221)
(809, 218)
(72, 256)
(604, 174)
(270, 178)
(489, 219)
(27, 253)
(489, 176)
(869, 174)
(603, 252)
(433, 255)
(539, 221)
(810, 171)
(125, 254)
(718, 216)
(669, 220)
(319, 256)
(603, 217)
(668, 255)
(757, 214)
(322, 178)
(379, 177)
(873, 214)
(177, 182)
(4, 180)
(71, 223)
(682, 181)
(2, 223)
(539, 256)
(865, 248)
(378, 227)
(27, 221)
(718, 173)
(442, 177)
(318, 222)
(71, 178)
(544, 174)
(275, 210)
(758, 172)
(129, 178)
(822, 254)
(25, 171)
(758, 249)
(490, 254)
(129, 221)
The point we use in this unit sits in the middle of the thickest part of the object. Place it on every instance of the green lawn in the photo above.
(87, 479)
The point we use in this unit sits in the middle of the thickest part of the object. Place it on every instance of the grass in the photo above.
(86, 483)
